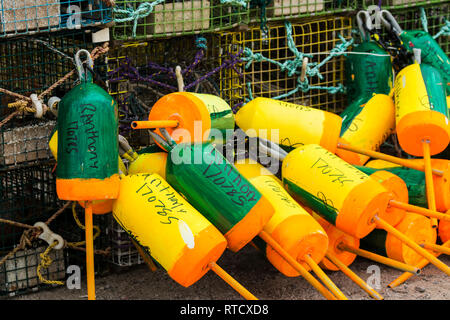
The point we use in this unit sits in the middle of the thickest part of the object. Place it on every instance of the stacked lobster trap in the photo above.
(37, 63)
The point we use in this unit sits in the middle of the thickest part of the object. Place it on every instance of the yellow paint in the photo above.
(250, 168)
(292, 227)
(149, 163)
(289, 124)
(371, 127)
(415, 120)
(167, 227)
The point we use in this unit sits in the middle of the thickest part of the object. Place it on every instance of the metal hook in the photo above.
(389, 22)
(79, 65)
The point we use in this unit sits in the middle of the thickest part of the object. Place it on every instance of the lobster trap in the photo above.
(294, 9)
(123, 252)
(140, 73)
(265, 79)
(400, 4)
(20, 17)
(27, 195)
(138, 19)
(29, 66)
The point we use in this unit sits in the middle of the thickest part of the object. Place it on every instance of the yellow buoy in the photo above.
(151, 162)
(167, 227)
(369, 129)
(421, 110)
(334, 189)
(288, 124)
(292, 227)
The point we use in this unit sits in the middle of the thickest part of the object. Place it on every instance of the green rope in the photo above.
(262, 4)
(445, 30)
(293, 67)
(423, 19)
(130, 14)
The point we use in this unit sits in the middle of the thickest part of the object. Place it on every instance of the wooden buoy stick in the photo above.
(89, 251)
(422, 264)
(378, 155)
(436, 248)
(353, 276)
(322, 276)
(410, 243)
(378, 258)
(431, 199)
(231, 281)
(297, 266)
(419, 210)
(153, 124)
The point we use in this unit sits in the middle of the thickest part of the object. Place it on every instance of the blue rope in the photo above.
(201, 42)
(130, 14)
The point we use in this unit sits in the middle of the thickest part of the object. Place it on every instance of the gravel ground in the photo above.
(258, 276)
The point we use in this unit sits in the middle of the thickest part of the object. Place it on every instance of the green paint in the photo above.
(435, 88)
(414, 179)
(323, 209)
(150, 149)
(87, 134)
(375, 242)
(211, 184)
(365, 75)
(431, 52)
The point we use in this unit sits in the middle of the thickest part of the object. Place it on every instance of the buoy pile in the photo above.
(184, 203)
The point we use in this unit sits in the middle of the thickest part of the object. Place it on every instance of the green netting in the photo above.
(399, 4)
(138, 19)
(20, 17)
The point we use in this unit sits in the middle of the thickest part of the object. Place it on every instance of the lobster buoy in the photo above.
(290, 125)
(343, 195)
(416, 184)
(367, 127)
(167, 227)
(397, 189)
(98, 206)
(218, 191)
(416, 227)
(87, 153)
(335, 238)
(421, 110)
(150, 160)
(291, 226)
(367, 72)
(190, 117)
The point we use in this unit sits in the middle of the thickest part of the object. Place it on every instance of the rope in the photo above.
(46, 262)
(293, 66)
(423, 19)
(78, 222)
(445, 29)
(130, 14)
